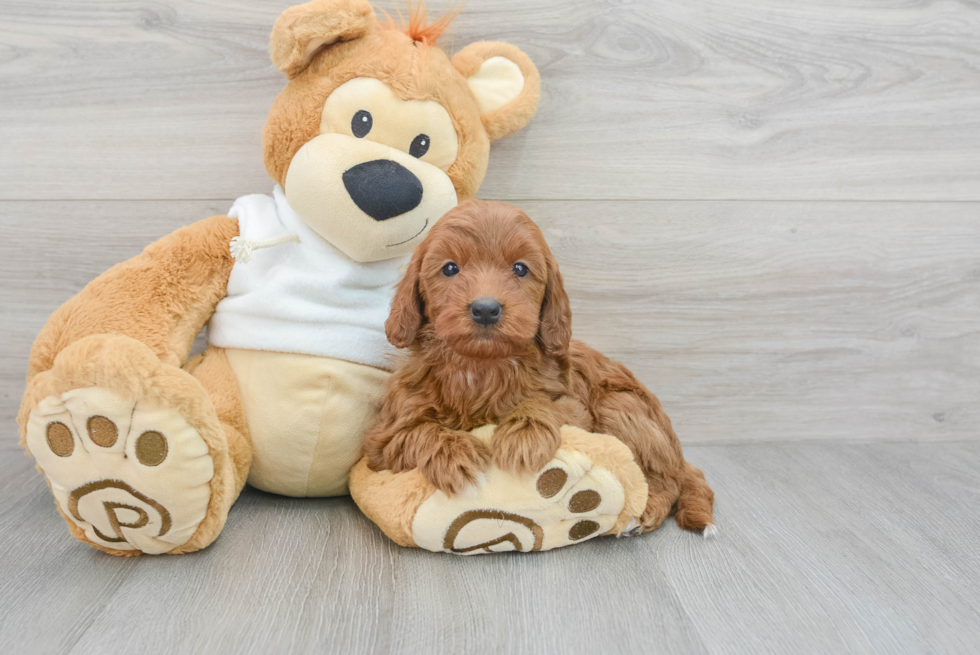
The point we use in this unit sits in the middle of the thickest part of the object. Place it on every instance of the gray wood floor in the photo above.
(769, 209)
(824, 548)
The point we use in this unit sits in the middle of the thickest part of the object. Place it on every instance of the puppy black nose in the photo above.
(383, 188)
(485, 311)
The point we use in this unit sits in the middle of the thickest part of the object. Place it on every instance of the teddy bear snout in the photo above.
(383, 188)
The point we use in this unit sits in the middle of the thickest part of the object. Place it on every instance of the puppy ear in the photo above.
(407, 310)
(504, 82)
(555, 327)
(302, 30)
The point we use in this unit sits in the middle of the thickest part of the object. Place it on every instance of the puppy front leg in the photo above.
(453, 460)
(450, 459)
(528, 438)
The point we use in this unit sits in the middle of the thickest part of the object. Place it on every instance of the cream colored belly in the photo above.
(307, 416)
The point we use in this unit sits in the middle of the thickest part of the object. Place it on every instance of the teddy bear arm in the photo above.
(162, 297)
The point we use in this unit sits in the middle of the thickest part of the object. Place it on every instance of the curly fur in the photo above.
(524, 373)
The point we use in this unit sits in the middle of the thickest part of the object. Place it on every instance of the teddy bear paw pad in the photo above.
(131, 475)
(571, 500)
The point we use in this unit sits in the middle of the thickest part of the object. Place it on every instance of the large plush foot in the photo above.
(591, 487)
(123, 441)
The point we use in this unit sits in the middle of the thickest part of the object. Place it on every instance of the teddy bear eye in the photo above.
(420, 146)
(450, 269)
(521, 269)
(361, 124)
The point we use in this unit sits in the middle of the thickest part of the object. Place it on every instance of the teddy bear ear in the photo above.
(504, 82)
(302, 30)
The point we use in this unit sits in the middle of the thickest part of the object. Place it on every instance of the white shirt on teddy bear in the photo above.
(305, 297)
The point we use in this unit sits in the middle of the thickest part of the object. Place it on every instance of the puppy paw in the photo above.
(390, 454)
(524, 445)
(457, 461)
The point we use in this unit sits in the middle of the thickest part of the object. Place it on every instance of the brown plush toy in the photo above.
(376, 135)
(592, 487)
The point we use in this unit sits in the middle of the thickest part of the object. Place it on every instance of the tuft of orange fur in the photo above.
(524, 373)
(417, 26)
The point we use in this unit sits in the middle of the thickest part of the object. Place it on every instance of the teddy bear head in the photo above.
(378, 132)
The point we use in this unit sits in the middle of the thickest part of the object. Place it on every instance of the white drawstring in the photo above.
(242, 248)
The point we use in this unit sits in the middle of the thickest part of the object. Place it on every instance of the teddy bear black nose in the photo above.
(383, 188)
(485, 311)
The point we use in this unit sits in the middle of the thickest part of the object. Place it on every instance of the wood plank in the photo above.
(834, 549)
(769, 99)
(50, 589)
(753, 321)
(823, 548)
(783, 321)
(50, 251)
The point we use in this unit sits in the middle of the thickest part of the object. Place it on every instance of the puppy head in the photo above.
(486, 281)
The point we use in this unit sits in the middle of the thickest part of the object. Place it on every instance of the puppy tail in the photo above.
(695, 502)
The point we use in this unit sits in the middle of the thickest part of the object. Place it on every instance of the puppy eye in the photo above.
(361, 124)
(420, 146)
(521, 269)
(450, 269)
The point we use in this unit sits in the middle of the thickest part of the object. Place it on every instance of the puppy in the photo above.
(485, 315)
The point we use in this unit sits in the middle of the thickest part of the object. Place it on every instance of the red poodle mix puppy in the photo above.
(484, 312)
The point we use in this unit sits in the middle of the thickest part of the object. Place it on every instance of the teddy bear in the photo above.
(376, 134)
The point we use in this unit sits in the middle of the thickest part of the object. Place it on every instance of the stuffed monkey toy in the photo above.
(376, 135)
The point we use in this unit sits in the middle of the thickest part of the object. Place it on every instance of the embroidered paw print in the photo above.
(552, 481)
(131, 475)
(571, 500)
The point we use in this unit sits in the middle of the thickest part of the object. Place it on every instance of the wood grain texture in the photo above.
(824, 548)
(753, 321)
(50, 251)
(779, 335)
(661, 99)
